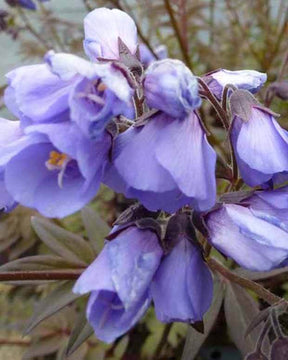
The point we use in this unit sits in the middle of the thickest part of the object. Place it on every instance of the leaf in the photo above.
(43, 347)
(96, 228)
(80, 333)
(194, 339)
(240, 308)
(62, 242)
(121, 347)
(37, 263)
(61, 296)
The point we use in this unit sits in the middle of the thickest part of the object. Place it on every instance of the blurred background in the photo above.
(206, 35)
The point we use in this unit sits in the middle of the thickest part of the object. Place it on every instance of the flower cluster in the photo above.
(131, 121)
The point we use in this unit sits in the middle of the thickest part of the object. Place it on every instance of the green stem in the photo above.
(163, 341)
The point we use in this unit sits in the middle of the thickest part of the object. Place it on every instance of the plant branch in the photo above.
(177, 31)
(41, 275)
(243, 282)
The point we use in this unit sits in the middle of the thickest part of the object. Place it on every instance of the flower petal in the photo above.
(183, 150)
(103, 27)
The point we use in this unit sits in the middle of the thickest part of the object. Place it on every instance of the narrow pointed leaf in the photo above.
(38, 263)
(80, 333)
(55, 301)
(240, 308)
(97, 229)
(62, 242)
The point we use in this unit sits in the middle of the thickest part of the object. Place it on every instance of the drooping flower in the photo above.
(182, 288)
(167, 163)
(253, 232)
(119, 281)
(49, 167)
(103, 27)
(250, 80)
(259, 143)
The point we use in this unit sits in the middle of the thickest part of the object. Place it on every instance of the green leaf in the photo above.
(121, 347)
(62, 242)
(80, 333)
(61, 296)
(240, 308)
(97, 229)
(194, 339)
(44, 346)
(38, 263)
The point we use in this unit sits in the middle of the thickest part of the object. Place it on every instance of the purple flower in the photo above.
(119, 281)
(260, 144)
(182, 288)
(90, 94)
(253, 232)
(49, 167)
(103, 27)
(146, 56)
(171, 87)
(100, 92)
(28, 4)
(250, 80)
(158, 162)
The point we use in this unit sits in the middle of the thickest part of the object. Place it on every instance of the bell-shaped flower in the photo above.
(250, 80)
(103, 28)
(253, 232)
(167, 163)
(259, 143)
(182, 288)
(54, 168)
(119, 281)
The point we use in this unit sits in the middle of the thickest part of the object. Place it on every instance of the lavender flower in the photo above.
(103, 27)
(182, 288)
(250, 80)
(118, 281)
(158, 162)
(259, 143)
(54, 161)
(253, 232)
(90, 94)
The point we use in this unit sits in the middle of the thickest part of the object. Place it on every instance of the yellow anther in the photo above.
(101, 87)
(57, 159)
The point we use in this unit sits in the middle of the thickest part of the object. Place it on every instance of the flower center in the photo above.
(58, 161)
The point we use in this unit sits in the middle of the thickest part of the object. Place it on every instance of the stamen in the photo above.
(58, 161)
(97, 99)
(101, 87)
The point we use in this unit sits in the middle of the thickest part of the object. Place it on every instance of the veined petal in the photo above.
(253, 243)
(103, 27)
(183, 150)
(39, 94)
(262, 137)
(108, 317)
(134, 257)
(182, 287)
(97, 276)
(134, 157)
